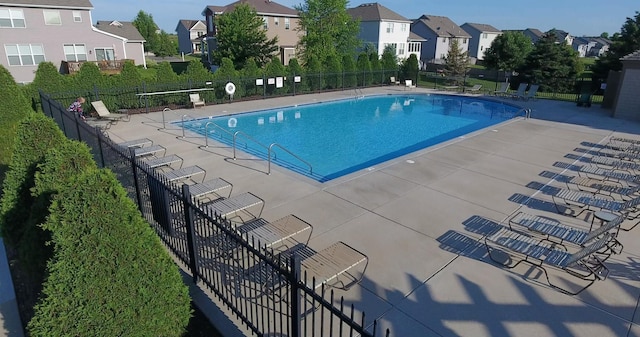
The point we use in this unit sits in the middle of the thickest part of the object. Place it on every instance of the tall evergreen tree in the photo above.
(552, 65)
(241, 36)
(389, 62)
(456, 62)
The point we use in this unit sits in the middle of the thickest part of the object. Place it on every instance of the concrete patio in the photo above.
(420, 219)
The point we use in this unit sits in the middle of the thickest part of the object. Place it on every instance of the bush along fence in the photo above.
(264, 289)
(155, 97)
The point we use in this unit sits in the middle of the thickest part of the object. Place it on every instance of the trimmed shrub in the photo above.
(333, 71)
(273, 69)
(227, 73)
(129, 77)
(250, 73)
(409, 69)
(349, 66)
(364, 70)
(376, 68)
(110, 274)
(295, 69)
(47, 79)
(35, 135)
(313, 68)
(60, 164)
(14, 107)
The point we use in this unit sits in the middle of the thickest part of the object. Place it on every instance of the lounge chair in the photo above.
(104, 113)
(196, 100)
(408, 84)
(204, 190)
(393, 81)
(591, 202)
(282, 234)
(475, 89)
(235, 204)
(332, 266)
(502, 90)
(161, 162)
(521, 91)
(604, 187)
(583, 264)
(558, 232)
(136, 143)
(531, 94)
(153, 150)
(185, 173)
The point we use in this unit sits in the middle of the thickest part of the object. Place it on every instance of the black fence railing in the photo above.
(261, 287)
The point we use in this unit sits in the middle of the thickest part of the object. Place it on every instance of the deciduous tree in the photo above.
(148, 29)
(508, 52)
(241, 36)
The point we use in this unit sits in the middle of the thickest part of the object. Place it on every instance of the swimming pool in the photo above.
(332, 139)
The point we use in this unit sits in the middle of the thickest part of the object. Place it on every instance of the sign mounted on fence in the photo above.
(279, 82)
(259, 81)
(296, 79)
(271, 80)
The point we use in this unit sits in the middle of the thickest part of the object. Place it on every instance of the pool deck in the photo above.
(420, 219)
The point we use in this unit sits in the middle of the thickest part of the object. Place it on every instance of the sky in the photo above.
(578, 17)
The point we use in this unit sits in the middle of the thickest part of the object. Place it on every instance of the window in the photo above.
(390, 27)
(392, 45)
(24, 54)
(464, 41)
(12, 18)
(265, 22)
(400, 48)
(485, 35)
(403, 27)
(414, 47)
(105, 54)
(52, 18)
(75, 52)
(276, 21)
(287, 24)
(77, 17)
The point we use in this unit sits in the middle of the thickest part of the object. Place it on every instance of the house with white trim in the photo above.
(482, 36)
(190, 36)
(438, 32)
(61, 32)
(382, 27)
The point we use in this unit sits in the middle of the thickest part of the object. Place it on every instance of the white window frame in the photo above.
(485, 35)
(33, 52)
(75, 47)
(276, 21)
(265, 22)
(401, 48)
(105, 51)
(414, 47)
(77, 16)
(52, 17)
(403, 27)
(287, 23)
(390, 27)
(15, 17)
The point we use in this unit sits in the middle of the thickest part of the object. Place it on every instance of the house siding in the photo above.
(54, 37)
(627, 105)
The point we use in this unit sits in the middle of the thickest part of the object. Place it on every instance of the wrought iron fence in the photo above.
(262, 287)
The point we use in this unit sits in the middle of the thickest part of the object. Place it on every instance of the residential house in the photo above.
(190, 36)
(532, 33)
(591, 46)
(34, 31)
(438, 32)
(562, 36)
(482, 35)
(382, 27)
(132, 40)
(279, 21)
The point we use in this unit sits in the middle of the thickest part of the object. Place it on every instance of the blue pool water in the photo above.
(339, 137)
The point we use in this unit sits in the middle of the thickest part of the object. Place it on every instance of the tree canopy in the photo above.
(508, 51)
(240, 37)
(623, 43)
(457, 61)
(551, 64)
(328, 29)
(147, 28)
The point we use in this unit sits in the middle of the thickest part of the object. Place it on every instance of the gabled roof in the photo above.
(443, 26)
(415, 37)
(262, 7)
(375, 12)
(188, 24)
(635, 56)
(535, 32)
(483, 28)
(75, 4)
(121, 28)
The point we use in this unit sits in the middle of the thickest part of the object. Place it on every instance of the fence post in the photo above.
(191, 238)
(100, 147)
(135, 176)
(293, 277)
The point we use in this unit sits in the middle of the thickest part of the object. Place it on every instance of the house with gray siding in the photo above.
(627, 101)
(382, 27)
(190, 35)
(438, 32)
(482, 36)
(58, 31)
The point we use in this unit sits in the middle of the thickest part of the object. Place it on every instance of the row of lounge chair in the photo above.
(338, 265)
(607, 188)
(521, 93)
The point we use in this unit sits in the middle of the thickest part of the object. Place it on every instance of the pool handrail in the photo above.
(163, 119)
(206, 133)
(183, 128)
(289, 152)
(269, 150)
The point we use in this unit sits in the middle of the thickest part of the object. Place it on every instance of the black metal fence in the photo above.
(261, 287)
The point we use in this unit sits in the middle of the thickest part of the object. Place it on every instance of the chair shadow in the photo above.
(539, 204)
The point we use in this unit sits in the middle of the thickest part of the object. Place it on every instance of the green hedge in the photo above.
(14, 107)
(35, 135)
(110, 275)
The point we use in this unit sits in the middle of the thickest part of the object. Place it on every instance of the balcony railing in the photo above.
(107, 67)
